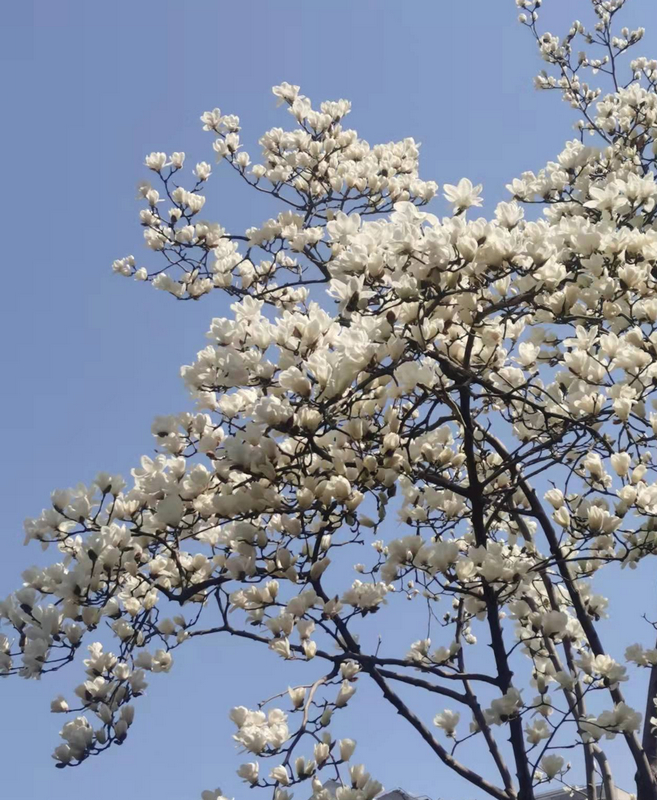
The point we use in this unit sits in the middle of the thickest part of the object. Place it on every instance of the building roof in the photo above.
(397, 794)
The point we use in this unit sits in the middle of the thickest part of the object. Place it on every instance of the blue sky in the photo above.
(89, 358)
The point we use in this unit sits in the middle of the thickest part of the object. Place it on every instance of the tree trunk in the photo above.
(649, 740)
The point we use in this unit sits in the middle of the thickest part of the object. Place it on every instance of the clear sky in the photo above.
(89, 88)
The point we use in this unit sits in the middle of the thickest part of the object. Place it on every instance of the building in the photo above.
(563, 794)
(557, 794)
(395, 794)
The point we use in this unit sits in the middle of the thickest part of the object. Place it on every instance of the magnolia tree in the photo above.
(383, 367)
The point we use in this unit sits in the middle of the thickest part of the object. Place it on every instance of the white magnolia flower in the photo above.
(464, 194)
(552, 765)
(447, 720)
